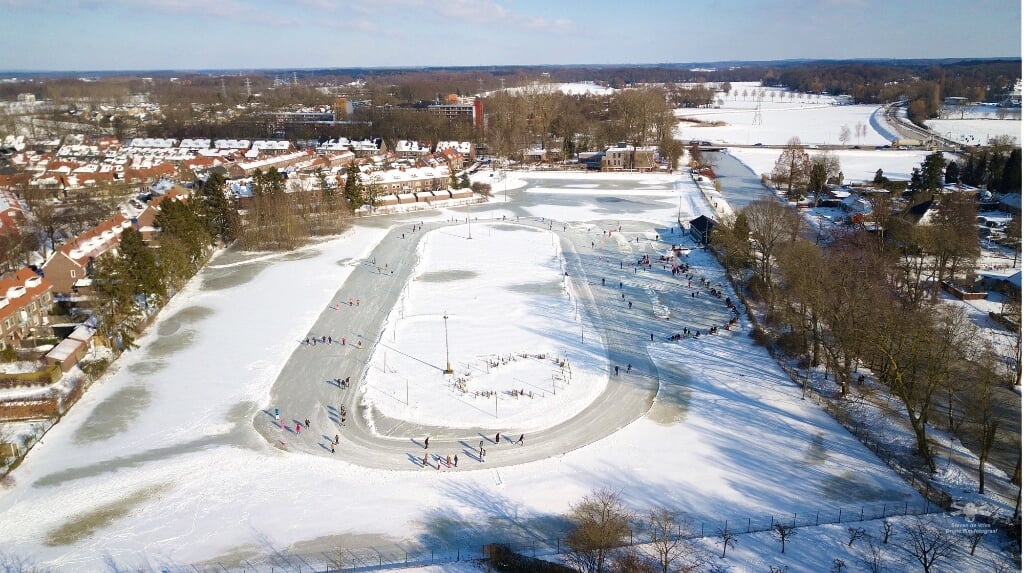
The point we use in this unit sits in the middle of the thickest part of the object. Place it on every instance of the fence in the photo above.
(401, 557)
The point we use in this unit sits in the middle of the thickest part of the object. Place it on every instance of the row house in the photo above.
(147, 175)
(395, 181)
(25, 301)
(245, 169)
(269, 147)
(69, 263)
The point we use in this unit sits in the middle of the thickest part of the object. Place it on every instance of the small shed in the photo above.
(700, 229)
(424, 197)
(461, 193)
(387, 200)
(442, 195)
(404, 198)
(66, 354)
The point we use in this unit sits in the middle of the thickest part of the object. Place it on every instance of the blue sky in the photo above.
(252, 34)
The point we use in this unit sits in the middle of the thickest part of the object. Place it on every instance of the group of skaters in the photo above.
(415, 228)
(314, 340)
(450, 461)
(329, 339)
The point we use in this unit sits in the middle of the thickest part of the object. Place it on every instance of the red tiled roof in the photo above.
(15, 289)
(93, 243)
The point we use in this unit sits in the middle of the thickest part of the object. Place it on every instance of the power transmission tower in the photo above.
(223, 89)
(758, 120)
(248, 88)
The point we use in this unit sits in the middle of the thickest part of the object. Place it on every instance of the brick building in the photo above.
(25, 300)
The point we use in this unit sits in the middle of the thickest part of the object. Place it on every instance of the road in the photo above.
(303, 388)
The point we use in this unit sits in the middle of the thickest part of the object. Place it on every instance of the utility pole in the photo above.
(447, 357)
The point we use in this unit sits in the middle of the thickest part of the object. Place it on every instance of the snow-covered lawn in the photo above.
(857, 165)
(517, 355)
(974, 131)
(815, 119)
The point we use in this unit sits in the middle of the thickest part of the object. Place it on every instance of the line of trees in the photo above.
(281, 218)
(575, 123)
(871, 298)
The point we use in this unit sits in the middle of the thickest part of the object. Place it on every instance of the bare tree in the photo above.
(886, 530)
(926, 544)
(981, 395)
(916, 349)
(632, 560)
(874, 559)
(666, 536)
(793, 168)
(727, 538)
(771, 224)
(844, 134)
(974, 539)
(782, 532)
(599, 523)
(855, 533)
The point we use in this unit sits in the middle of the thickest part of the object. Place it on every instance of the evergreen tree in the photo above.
(354, 187)
(916, 180)
(220, 215)
(191, 234)
(1010, 181)
(818, 177)
(453, 181)
(464, 183)
(953, 172)
(932, 171)
(116, 316)
(138, 271)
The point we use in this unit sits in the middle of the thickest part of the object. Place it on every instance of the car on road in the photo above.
(758, 144)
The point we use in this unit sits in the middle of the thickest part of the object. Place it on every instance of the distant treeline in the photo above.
(209, 104)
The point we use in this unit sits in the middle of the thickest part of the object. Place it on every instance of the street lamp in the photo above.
(447, 358)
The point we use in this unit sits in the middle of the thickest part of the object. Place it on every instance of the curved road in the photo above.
(304, 388)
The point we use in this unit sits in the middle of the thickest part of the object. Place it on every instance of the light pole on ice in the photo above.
(447, 358)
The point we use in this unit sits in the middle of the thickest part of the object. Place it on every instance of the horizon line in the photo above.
(748, 63)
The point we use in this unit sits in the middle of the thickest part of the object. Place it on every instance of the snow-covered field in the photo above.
(816, 120)
(518, 355)
(857, 165)
(974, 131)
